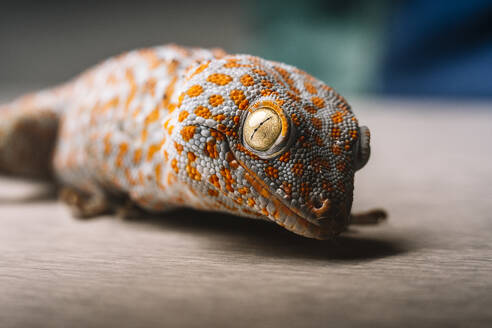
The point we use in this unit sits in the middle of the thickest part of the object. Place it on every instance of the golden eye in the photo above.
(262, 128)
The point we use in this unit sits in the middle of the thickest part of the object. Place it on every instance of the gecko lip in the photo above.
(294, 219)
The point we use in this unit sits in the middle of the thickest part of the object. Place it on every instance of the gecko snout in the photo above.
(329, 214)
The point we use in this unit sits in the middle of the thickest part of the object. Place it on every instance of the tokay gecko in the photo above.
(166, 127)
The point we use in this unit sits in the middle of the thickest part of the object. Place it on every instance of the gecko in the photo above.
(170, 126)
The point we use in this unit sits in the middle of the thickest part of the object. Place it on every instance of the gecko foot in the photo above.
(84, 205)
(130, 211)
(371, 217)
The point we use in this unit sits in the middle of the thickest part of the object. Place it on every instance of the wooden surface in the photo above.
(430, 265)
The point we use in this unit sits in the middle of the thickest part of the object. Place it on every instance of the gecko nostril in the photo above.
(320, 207)
(317, 203)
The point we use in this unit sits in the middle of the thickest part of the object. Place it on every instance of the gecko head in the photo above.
(269, 141)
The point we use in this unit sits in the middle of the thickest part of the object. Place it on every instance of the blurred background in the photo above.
(393, 48)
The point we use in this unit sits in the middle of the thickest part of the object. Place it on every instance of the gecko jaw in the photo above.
(290, 218)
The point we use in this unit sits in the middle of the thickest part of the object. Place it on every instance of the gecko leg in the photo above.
(85, 205)
(371, 217)
(129, 210)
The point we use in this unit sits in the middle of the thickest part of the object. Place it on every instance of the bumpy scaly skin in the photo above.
(163, 126)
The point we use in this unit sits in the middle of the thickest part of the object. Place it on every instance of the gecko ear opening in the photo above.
(362, 148)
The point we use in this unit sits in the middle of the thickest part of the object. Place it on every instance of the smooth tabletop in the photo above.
(429, 265)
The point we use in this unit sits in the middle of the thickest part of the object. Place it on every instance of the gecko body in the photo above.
(170, 126)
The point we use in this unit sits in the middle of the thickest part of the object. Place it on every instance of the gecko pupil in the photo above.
(262, 128)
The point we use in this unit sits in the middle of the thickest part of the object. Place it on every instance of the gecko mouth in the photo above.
(293, 219)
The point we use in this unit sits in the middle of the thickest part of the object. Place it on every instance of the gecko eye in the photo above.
(262, 128)
(265, 131)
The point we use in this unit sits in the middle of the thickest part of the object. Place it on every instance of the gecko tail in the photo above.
(28, 132)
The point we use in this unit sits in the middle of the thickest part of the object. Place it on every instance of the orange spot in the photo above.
(310, 88)
(340, 166)
(122, 151)
(194, 91)
(219, 79)
(219, 117)
(267, 84)
(180, 99)
(137, 156)
(247, 80)
(133, 91)
(298, 169)
(191, 156)
(268, 92)
(294, 97)
(110, 104)
(213, 193)
(168, 93)
(233, 63)
(178, 147)
(251, 202)
(137, 111)
(335, 132)
(203, 112)
(232, 160)
(153, 149)
(200, 69)
(239, 98)
(211, 149)
(182, 116)
(302, 141)
(152, 117)
(318, 102)
(304, 189)
(193, 172)
(326, 185)
(287, 187)
(284, 157)
(170, 129)
(214, 180)
(174, 165)
(129, 178)
(317, 123)
(107, 144)
(244, 150)
(171, 178)
(188, 132)
(310, 109)
(295, 119)
(143, 136)
(150, 85)
(243, 190)
(271, 171)
(217, 135)
(286, 76)
(158, 176)
(337, 117)
(259, 72)
(215, 100)
(226, 173)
